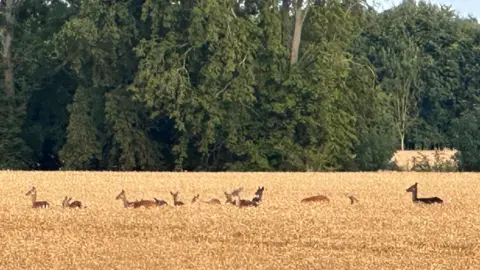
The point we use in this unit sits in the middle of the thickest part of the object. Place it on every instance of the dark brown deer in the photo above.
(160, 202)
(353, 199)
(211, 201)
(74, 204)
(176, 202)
(195, 198)
(258, 195)
(246, 203)
(413, 189)
(317, 198)
(35, 203)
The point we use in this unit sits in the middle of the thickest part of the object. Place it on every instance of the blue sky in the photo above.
(463, 7)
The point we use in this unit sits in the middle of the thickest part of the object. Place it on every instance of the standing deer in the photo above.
(211, 201)
(176, 202)
(66, 203)
(317, 198)
(35, 204)
(413, 189)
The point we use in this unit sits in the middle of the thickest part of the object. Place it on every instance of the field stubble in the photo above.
(385, 230)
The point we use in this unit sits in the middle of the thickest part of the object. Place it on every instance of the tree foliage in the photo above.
(212, 85)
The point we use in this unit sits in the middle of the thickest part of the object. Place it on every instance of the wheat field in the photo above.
(385, 230)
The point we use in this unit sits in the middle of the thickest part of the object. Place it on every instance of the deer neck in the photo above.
(414, 195)
(126, 203)
(34, 197)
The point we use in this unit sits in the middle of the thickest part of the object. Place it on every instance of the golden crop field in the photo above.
(385, 230)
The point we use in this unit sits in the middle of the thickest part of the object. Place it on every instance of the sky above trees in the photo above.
(463, 7)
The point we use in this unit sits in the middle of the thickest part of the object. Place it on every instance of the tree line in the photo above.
(244, 85)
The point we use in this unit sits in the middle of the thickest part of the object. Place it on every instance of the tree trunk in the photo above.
(7, 37)
(402, 141)
(286, 24)
(297, 32)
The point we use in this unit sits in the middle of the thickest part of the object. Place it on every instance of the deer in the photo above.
(246, 203)
(123, 197)
(35, 203)
(195, 198)
(258, 195)
(236, 192)
(160, 202)
(144, 203)
(240, 202)
(317, 198)
(413, 189)
(66, 203)
(229, 198)
(211, 201)
(176, 202)
(353, 199)
(136, 204)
